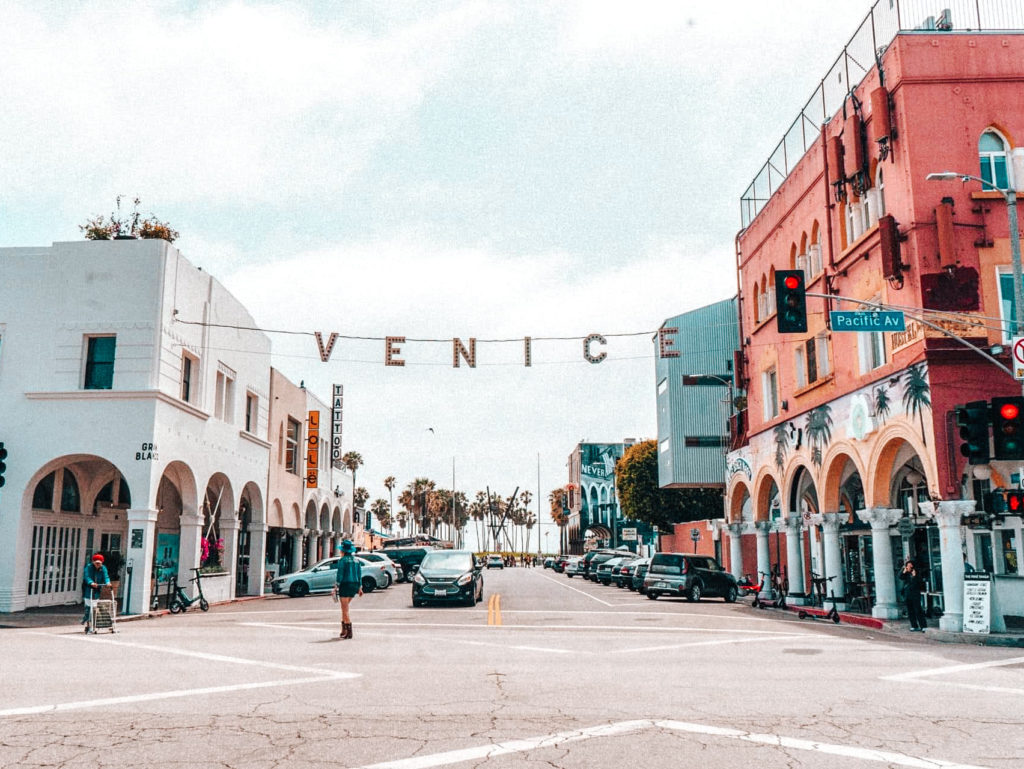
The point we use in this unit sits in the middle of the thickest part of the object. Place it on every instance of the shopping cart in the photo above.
(104, 611)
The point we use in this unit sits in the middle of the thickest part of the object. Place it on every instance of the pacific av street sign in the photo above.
(867, 320)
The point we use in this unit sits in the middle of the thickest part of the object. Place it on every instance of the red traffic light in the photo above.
(1014, 502)
(792, 281)
(1009, 411)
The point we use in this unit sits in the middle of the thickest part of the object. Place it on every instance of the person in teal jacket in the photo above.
(348, 583)
(94, 575)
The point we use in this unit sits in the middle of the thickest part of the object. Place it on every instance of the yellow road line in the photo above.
(494, 610)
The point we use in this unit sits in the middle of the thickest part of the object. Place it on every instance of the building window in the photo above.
(871, 348)
(189, 373)
(663, 386)
(992, 159)
(1007, 304)
(291, 447)
(99, 362)
(770, 392)
(821, 352)
(223, 407)
(814, 259)
(704, 441)
(252, 404)
(663, 446)
(808, 358)
(1008, 551)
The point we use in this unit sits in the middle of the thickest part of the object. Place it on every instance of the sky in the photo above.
(430, 169)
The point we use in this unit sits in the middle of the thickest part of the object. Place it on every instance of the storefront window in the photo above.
(983, 552)
(1009, 551)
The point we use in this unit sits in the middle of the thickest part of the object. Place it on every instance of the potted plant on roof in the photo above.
(128, 227)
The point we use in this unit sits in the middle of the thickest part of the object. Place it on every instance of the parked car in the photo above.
(595, 558)
(623, 573)
(573, 566)
(495, 561)
(689, 576)
(321, 577)
(392, 569)
(407, 557)
(549, 562)
(448, 576)
(636, 581)
(604, 571)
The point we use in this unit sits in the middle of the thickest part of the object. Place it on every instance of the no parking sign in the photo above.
(1018, 357)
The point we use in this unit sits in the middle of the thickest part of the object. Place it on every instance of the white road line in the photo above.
(570, 587)
(575, 628)
(82, 704)
(106, 641)
(703, 643)
(953, 669)
(627, 727)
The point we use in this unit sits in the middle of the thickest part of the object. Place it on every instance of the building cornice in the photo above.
(131, 395)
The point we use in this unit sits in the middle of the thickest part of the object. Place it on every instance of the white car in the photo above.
(321, 577)
(392, 569)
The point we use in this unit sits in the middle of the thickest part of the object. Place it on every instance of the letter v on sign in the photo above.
(325, 354)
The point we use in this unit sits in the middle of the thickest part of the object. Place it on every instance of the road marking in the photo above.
(629, 727)
(570, 587)
(920, 676)
(322, 675)
(494, 610)
(704, 643)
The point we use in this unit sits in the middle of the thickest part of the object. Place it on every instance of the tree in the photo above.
(636, 476)
(415, 498)
(382, 510)
(352, 460)
(389, 484)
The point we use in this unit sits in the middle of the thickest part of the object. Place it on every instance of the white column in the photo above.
(736, 549)
(311, 543)
(141, 546)
(882, 519)
(191, 531)
(229, 558)
(764, 567)
(794, 559)
(257, 558)
(297, 537)
(947, 515)
(835, 579)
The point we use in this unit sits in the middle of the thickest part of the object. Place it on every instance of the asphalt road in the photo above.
(546, 672)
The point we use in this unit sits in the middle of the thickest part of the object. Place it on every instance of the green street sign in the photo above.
(867, 320)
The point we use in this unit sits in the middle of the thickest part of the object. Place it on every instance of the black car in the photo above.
(448, 576)
(595, 558)
(623, 573)
(640, 567)
(407, 557)
(689, 576)
(607, 569)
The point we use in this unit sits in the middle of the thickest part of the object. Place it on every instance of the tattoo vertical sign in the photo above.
(336, 404)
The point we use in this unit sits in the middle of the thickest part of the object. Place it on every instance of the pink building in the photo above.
(852, 450)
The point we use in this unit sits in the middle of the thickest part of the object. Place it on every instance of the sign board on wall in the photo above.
(977, 602)
(313, 450)
(336, 407)
(629, 535)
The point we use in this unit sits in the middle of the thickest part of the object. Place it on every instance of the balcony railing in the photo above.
(886, 19)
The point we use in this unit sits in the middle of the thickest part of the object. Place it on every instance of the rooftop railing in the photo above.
(885, 20)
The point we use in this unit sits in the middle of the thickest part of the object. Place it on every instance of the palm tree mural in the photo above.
(819, 431)
(781, 444)
(917, 394)
(881, 404)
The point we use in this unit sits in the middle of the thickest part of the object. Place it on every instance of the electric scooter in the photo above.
(778, 593)
(832, 614)
(179, 600)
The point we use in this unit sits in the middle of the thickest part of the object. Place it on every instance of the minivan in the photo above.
(688, 576)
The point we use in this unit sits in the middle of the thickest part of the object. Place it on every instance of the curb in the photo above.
(166, 612)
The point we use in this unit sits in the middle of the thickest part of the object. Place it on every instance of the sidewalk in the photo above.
(901, 627)
(71, 615)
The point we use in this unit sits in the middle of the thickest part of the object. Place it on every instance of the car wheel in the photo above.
(390, 581)
(731, 594)
(693, 594)
(416, 603)
(298, 589)
(369, 584)
(652, 595)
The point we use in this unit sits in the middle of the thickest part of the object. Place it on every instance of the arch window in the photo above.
(42, 497)
(992, 160)
(769, 298)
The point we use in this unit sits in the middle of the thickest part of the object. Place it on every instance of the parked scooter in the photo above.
(179, 600)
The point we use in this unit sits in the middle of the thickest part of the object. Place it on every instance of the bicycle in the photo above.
(179, 600)
(819, 583)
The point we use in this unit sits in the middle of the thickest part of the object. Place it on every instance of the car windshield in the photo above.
(440, 561)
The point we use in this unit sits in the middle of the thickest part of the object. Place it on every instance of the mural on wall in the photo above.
(905, 396)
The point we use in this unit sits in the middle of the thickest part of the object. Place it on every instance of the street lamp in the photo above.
(1017, 170)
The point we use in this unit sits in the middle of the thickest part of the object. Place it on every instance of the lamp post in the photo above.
(1010, 193)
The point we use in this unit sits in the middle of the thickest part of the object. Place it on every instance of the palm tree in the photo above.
(382, 510)
(917, 395)
(415, 498)
(389, 484)
(352, 460)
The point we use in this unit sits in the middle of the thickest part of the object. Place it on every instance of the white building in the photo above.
(133, 405)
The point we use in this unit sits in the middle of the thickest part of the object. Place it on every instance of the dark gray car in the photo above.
(688, 576)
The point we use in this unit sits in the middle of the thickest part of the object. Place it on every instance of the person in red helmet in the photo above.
(94, 575)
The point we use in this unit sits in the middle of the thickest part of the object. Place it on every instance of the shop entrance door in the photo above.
(56, 563)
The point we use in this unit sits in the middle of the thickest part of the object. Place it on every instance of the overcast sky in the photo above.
(426, 169)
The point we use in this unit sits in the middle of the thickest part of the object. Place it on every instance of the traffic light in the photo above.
(1014, 502)
(1008, 427)
(972, 419)
(3, 465)
(790, 302)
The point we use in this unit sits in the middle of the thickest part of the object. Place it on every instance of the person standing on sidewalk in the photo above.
(93, 576)
(348, 583)
(913, 586)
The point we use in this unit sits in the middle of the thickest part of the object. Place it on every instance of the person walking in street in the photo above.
(913, 586)
(348, 583)
(93, 576)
